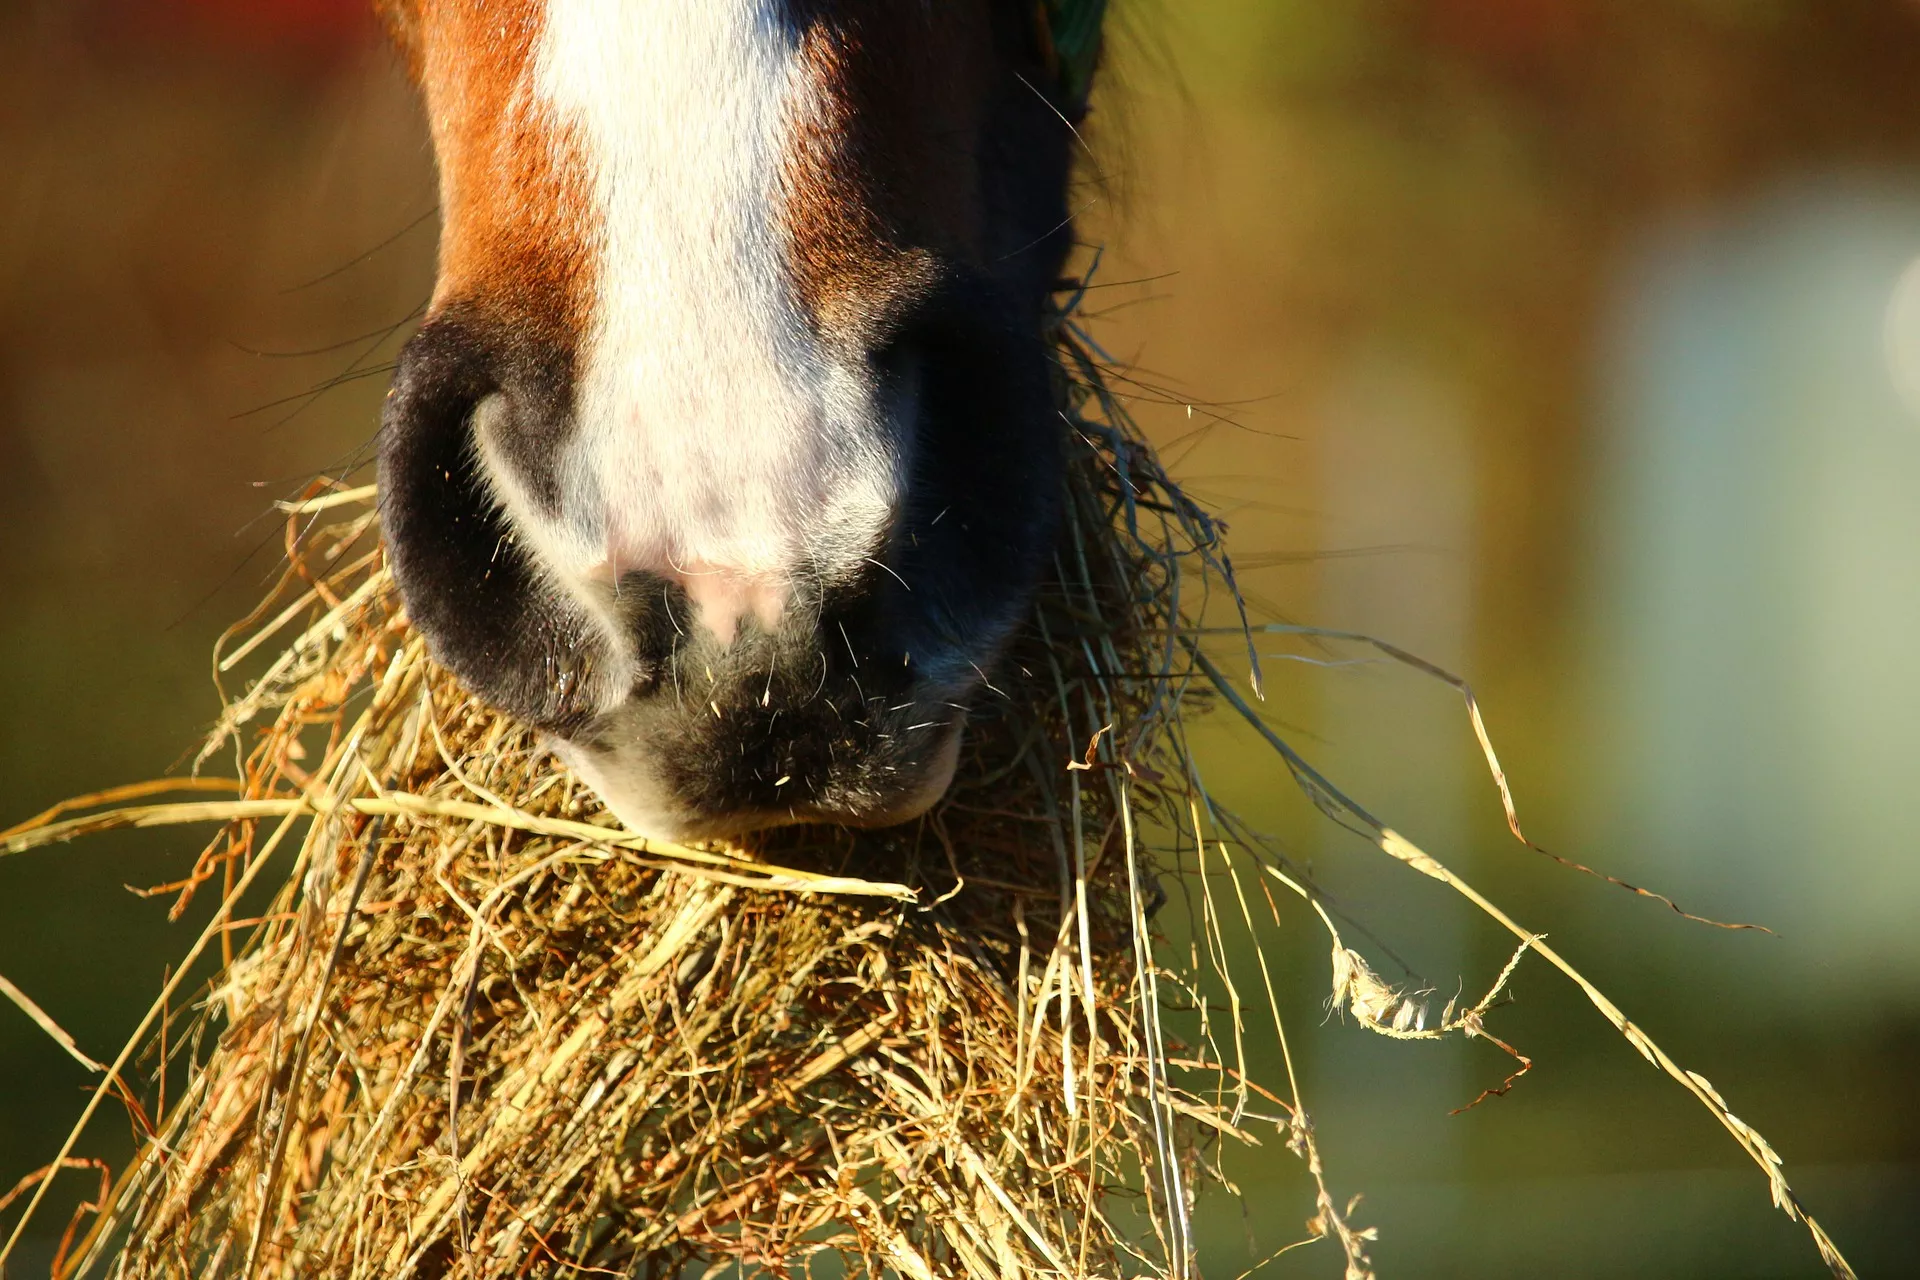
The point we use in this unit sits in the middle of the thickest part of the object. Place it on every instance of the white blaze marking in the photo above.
(718, 443)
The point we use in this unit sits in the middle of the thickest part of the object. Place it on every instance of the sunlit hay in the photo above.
(479, 1031)
(476, 1030)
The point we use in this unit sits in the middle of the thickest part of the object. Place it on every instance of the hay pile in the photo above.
(478, 1030)
(471, 1028)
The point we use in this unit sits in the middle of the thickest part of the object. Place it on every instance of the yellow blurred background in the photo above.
(1573, 344)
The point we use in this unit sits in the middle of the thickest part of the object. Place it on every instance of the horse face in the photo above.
(727, 454)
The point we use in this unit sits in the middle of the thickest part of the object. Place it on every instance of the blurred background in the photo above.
(1573, 344)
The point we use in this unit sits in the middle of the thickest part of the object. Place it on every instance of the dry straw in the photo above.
(471, 1028)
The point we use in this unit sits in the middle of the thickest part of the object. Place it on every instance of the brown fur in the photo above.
(883, 182)
(891, 174)
(514, 209)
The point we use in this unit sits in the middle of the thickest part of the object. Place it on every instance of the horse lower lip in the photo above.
(859, 792)
(911, 805)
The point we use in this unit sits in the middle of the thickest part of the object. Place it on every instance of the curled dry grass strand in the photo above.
(1356, 989)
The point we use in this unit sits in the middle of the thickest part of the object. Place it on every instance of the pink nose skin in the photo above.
(721, 597)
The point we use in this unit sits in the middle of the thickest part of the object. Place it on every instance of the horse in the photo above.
(727, 455)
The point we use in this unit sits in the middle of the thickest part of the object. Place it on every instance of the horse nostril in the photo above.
(469, 585)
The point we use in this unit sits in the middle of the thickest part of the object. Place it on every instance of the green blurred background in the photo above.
(1571, 343)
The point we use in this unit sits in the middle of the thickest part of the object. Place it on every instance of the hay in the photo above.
(478, 1030)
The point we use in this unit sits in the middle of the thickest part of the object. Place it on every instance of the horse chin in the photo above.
(631, 787)
(908, 806)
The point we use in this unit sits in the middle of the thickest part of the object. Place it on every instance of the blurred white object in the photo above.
(1756, 611)
(1902, 337)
